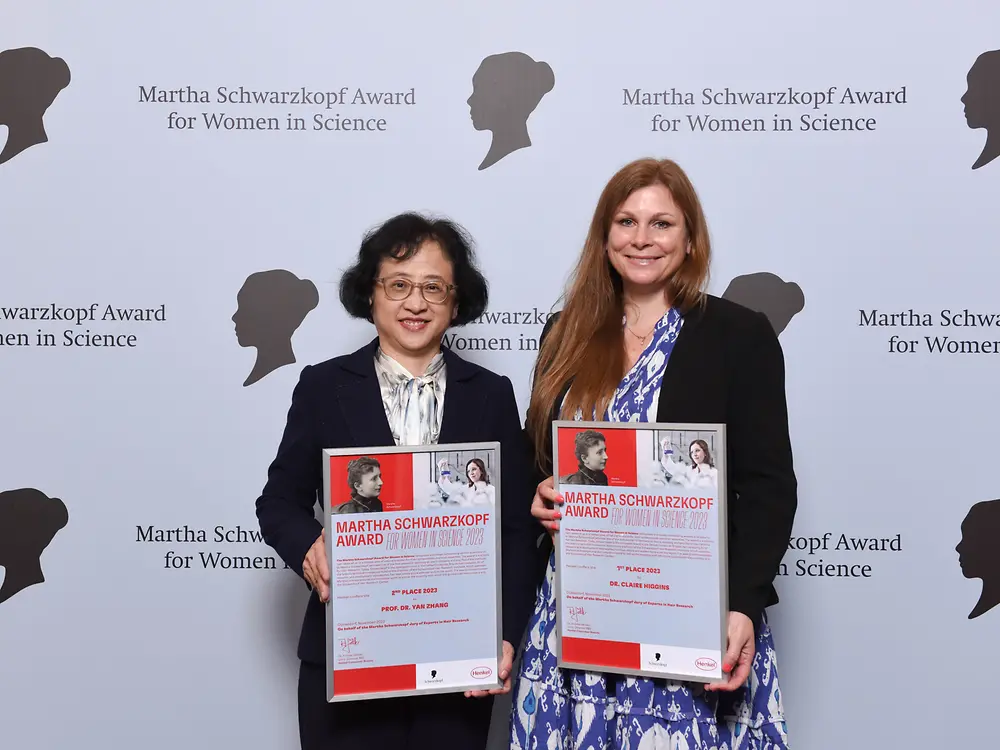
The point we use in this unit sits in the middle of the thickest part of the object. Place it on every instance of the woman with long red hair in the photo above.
(639, 339)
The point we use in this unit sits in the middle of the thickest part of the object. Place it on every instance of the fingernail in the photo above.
(557, 514)
(726, 667)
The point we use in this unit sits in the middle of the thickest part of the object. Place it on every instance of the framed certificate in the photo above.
(413, 542)
(641, 569)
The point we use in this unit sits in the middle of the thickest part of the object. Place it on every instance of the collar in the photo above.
(370, 504)
(362, 362)
(399, 374)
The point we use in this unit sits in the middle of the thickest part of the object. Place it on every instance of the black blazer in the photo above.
(727, 366)
(337, 404)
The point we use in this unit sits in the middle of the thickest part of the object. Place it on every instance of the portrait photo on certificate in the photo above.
(640, 553)
(413, 540)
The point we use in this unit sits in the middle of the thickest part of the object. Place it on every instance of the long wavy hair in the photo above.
(585, 345)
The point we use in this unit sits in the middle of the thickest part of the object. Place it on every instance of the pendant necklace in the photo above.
(642, 339)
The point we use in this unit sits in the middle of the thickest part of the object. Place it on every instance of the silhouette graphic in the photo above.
(764, 292)
(269, 309)
(979, 555)
(30, 80)
(29, 520)
(506, 89)
(434, 673)
(982, 103)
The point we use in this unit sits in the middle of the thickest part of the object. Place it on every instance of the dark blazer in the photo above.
(727, 366)
(337, 404)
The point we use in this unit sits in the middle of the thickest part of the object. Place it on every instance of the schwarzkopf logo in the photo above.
(979, 555)
(29, 520)
(433, 679)
(506, 89)
(982, 103)
(270, 307)
(30, 81)
(777, 299)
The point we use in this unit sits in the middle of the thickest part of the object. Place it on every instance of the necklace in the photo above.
(642, 339)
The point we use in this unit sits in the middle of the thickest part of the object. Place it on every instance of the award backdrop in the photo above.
(181, 184)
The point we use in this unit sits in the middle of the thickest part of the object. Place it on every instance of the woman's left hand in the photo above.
(506, 666)
(739, 653)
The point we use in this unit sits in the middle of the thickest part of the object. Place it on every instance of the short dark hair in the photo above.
(359, 467)
(400, 237)
(586, 440)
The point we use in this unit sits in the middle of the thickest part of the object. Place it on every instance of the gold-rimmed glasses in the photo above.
(435, 292)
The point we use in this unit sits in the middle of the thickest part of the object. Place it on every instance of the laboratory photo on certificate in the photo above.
(462, 479)
(679, 458)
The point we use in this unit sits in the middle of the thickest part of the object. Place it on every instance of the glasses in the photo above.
(434, 292)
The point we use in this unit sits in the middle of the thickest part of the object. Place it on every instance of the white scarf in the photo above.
(413, 405)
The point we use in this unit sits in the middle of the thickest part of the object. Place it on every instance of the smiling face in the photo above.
(411, 328)
(473, 472)
(697, 454)
(648, 238)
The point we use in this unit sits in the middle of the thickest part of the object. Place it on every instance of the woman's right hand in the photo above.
(315, 569)
(542, 507)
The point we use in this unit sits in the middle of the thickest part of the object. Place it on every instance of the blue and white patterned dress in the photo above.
(555, 709)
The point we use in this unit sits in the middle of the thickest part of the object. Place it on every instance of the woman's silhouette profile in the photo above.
(506, 89)
(979, 555)
(270, 307)
(30, 80)
(29, 520)
(982, 103)
(764, 292)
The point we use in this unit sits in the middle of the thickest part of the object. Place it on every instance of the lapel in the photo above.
(463, 405)
(680, 379)
(360, 401)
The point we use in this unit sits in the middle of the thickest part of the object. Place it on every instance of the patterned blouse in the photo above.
(413, 405)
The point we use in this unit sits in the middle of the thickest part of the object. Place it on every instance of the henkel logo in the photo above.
(706, 664)
(481, 673)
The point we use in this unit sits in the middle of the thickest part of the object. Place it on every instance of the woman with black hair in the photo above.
(413, 279)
